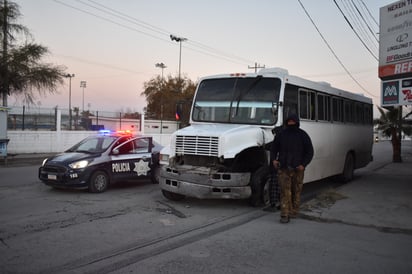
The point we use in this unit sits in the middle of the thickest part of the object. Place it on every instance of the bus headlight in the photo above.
(79, 164)
(164, 158)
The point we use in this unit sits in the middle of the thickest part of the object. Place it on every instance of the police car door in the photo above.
(133, 159)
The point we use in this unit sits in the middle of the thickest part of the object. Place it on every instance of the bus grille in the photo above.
(197, 145)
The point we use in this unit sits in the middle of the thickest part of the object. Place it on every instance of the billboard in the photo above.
(397, 92)
(395, 40)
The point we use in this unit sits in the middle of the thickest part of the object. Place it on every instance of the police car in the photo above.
(100, 160)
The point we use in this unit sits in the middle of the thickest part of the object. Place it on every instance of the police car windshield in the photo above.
(94, 144)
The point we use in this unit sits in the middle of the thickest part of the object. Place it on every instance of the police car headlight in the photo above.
(44, 162)
(79, 164)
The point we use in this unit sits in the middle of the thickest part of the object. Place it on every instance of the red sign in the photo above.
(395, 69)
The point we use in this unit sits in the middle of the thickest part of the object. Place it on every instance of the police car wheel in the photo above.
(98, 182)
(172, 196)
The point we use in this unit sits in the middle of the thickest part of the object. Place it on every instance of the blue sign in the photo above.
(390, 93)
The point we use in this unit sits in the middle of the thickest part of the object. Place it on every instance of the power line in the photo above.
(350, 25)
(358, 23)
(198, 47)
(366, 23)
(126, 17)
(109, 20)
(370, 15)
(215, 52)
(333, 52)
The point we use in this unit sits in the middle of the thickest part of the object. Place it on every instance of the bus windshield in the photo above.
(252, 100)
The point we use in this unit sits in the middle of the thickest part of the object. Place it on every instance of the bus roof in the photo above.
(298, 81)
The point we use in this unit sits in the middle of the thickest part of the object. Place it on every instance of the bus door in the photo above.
(132, 159)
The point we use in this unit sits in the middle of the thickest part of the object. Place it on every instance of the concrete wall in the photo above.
(23, 142)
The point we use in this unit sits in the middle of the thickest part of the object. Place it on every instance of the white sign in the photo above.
(395, 39)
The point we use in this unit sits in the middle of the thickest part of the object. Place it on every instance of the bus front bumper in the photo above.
(203, 184)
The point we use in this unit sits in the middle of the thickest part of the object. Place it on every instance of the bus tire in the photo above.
(155, 175)
(173, 196)
(99, 182)
(260, 185)
(348, 169)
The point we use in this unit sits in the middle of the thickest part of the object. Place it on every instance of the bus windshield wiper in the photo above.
(246, 92)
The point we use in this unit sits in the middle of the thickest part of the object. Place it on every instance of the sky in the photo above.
(114, 45)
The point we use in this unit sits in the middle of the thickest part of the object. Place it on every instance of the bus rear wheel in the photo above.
(348, 169)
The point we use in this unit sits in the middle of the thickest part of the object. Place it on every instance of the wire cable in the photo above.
(371, 16)
(364, 20)
(196, 46)
(333, 52)
(350, 25)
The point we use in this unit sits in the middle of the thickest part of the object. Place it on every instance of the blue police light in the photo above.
(105, 132)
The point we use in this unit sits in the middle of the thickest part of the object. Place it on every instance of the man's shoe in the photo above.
(284, 219)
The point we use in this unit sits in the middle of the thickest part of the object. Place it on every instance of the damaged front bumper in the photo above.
(205, 183)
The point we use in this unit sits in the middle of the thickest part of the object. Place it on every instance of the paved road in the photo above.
(133, 229)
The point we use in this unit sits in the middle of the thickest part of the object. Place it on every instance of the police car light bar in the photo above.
(106, 132)
(124, 132)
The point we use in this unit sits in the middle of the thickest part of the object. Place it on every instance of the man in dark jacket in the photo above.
(291, 152)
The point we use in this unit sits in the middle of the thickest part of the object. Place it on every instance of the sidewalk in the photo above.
(382, 199)
(24, 159)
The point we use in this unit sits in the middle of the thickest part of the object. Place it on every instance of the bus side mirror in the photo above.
(276, 130)
(179, 108)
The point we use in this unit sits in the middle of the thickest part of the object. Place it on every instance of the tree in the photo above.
(163, 97)
(21, 71)
(393, 125)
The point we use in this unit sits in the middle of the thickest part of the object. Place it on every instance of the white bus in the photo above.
(224, 153)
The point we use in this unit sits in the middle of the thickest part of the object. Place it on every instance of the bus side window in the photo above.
(307, 105)
(337, 110)
(323, 107)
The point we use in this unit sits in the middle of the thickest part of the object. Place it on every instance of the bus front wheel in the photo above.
(348, 169)
(173, 196)
(260, 184)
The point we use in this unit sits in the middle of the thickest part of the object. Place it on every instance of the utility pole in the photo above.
(70, 76)
(83, 85)
(256, 67)
(162, 66)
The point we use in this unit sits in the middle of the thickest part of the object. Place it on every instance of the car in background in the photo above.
(98, 161)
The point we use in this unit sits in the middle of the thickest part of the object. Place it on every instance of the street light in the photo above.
(179, 40)
(83, 85)
(70, 76)
(162, 66)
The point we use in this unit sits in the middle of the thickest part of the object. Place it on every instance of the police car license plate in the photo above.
(52, 177)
